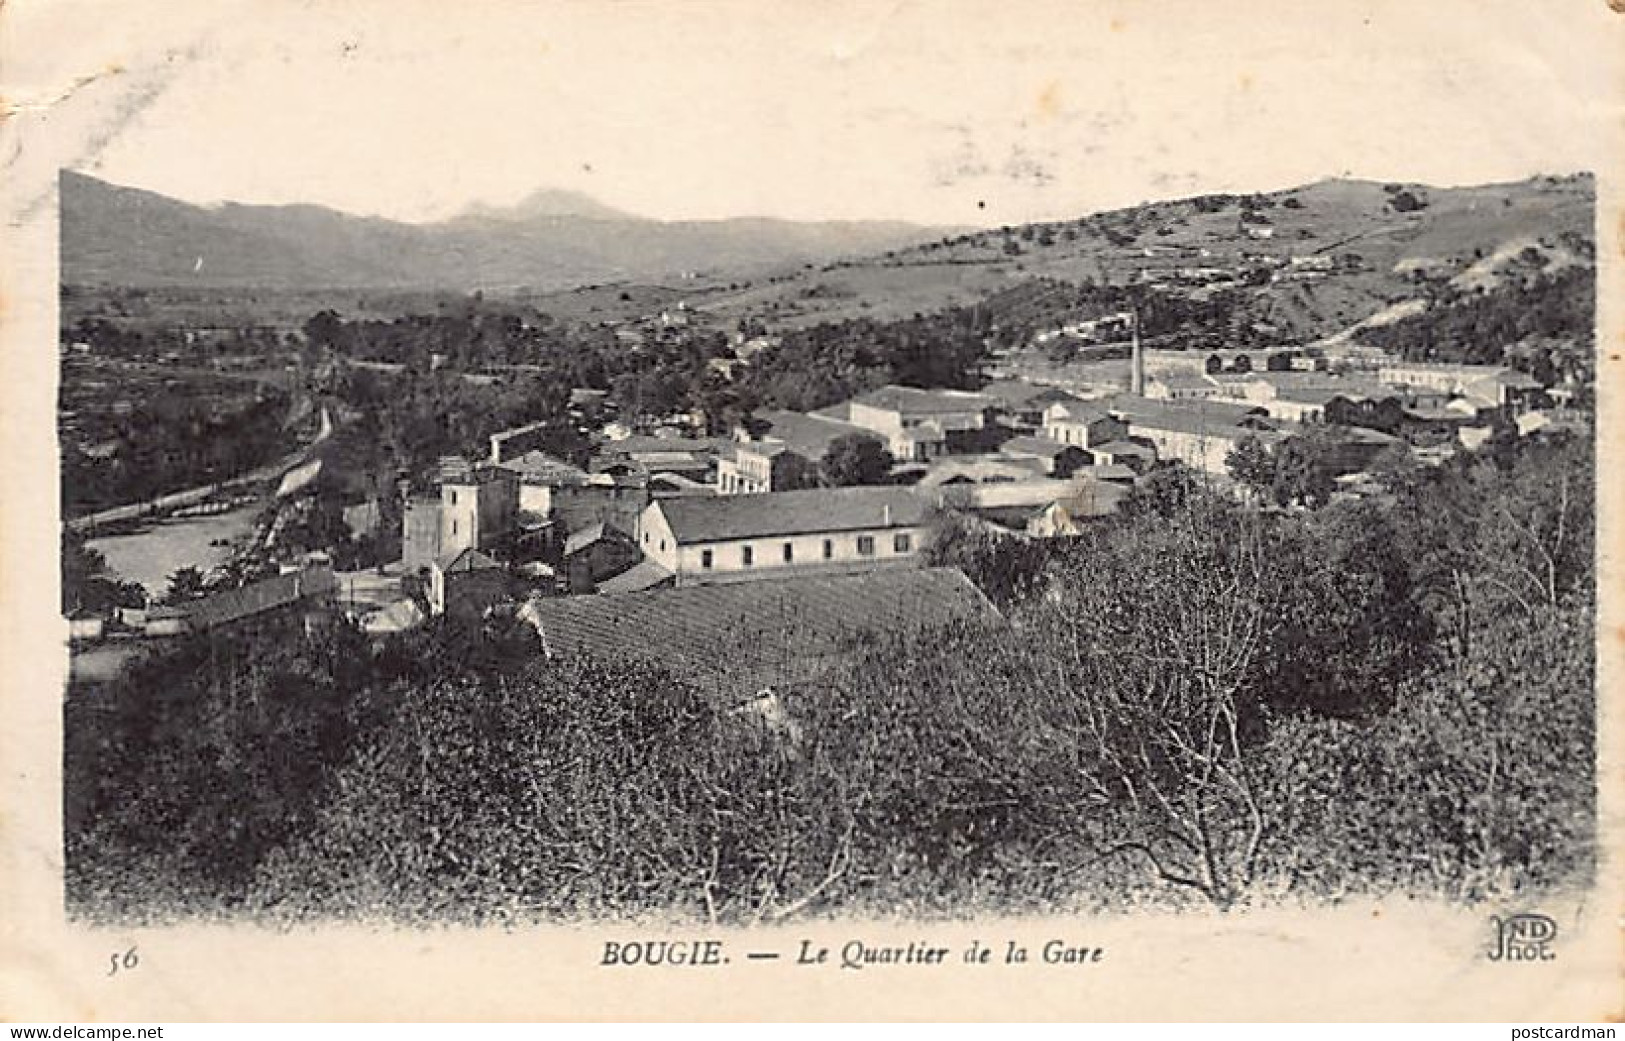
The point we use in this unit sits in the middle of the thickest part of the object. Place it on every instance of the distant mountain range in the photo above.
(112, 235)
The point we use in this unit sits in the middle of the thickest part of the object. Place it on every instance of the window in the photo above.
(789, 553)
(705, 559)
(746, 557)
(454, 497)
(902, 542)
(829, 548)
(866, 545)
(454, 527)
(662, 545)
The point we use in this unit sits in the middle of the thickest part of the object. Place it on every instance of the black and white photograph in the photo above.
(720, 469)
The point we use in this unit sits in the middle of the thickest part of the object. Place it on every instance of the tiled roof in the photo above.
(640, 576)
(537, 467)
(585, 536)
(735, 639)
(1210, 410)
(269, 595)
(465, 560)
(915, 400)
(791, 513)
(484, 473)
(809, 436)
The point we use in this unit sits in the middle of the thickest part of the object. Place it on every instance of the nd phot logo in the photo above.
(1523, 937)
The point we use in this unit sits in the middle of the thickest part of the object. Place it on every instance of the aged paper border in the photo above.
(1395, 960)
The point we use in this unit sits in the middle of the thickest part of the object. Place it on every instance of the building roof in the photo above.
(485, 473)
(465, 560)
(980, 469)
(735, 639)
(269, 595)
(1124, 448)
(645, 443)
(1183, 381)
(1309, 395)
(1078, 410)
(1082, 495)
(584, 537)
(1111, 472)
(806, 512)
(643, 575)
(537, 467)
(916, 401)
(1201, 425)
(1019, 394)
(1210, 410)
(1043, 447)
(809, 436)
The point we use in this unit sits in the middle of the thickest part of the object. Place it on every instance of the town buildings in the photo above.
(920, 425)
(735, 538)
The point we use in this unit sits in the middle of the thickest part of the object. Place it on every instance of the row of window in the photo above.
(902, 542)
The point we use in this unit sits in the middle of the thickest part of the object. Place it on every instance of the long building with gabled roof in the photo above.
(733, 538)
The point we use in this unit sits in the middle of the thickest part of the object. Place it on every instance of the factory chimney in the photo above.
(1137, 364)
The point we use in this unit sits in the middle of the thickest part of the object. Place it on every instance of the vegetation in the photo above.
(1196, 705)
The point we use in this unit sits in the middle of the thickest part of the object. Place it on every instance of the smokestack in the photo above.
(1137, 365)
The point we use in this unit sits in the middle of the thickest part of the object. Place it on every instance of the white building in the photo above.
(745, 537)
(920, 425)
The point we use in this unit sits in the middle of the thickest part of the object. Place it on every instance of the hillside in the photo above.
(1384, 243)
(116, 236)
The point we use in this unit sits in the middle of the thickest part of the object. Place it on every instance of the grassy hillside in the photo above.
(1384, 239)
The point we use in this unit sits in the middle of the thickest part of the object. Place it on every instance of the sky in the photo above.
(943, 113)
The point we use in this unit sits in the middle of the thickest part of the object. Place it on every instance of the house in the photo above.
(918, 424)
(1056, 458)
(1041, 508)
(1127, 455)
(1021, 405)
(617, 501)
(308, 592)
(1493, 386)
(1083, 423)
(478, 511)
(735, 641)
(1192, 437)
(420, 534)
(734, 538)
(466, 583)
(778, 451)
(957, 470)
(540, 477)
(597, 552)
(641, 455)
(1180, 386)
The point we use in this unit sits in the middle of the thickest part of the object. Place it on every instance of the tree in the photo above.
(854, 459)
(184, 584)
(1153, 641)
(1250, 465)
(1304, 469)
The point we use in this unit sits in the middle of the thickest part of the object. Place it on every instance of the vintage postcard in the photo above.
(768, 511)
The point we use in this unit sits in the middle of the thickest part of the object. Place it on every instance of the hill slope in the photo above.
(1386, 244)
(120, 236)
